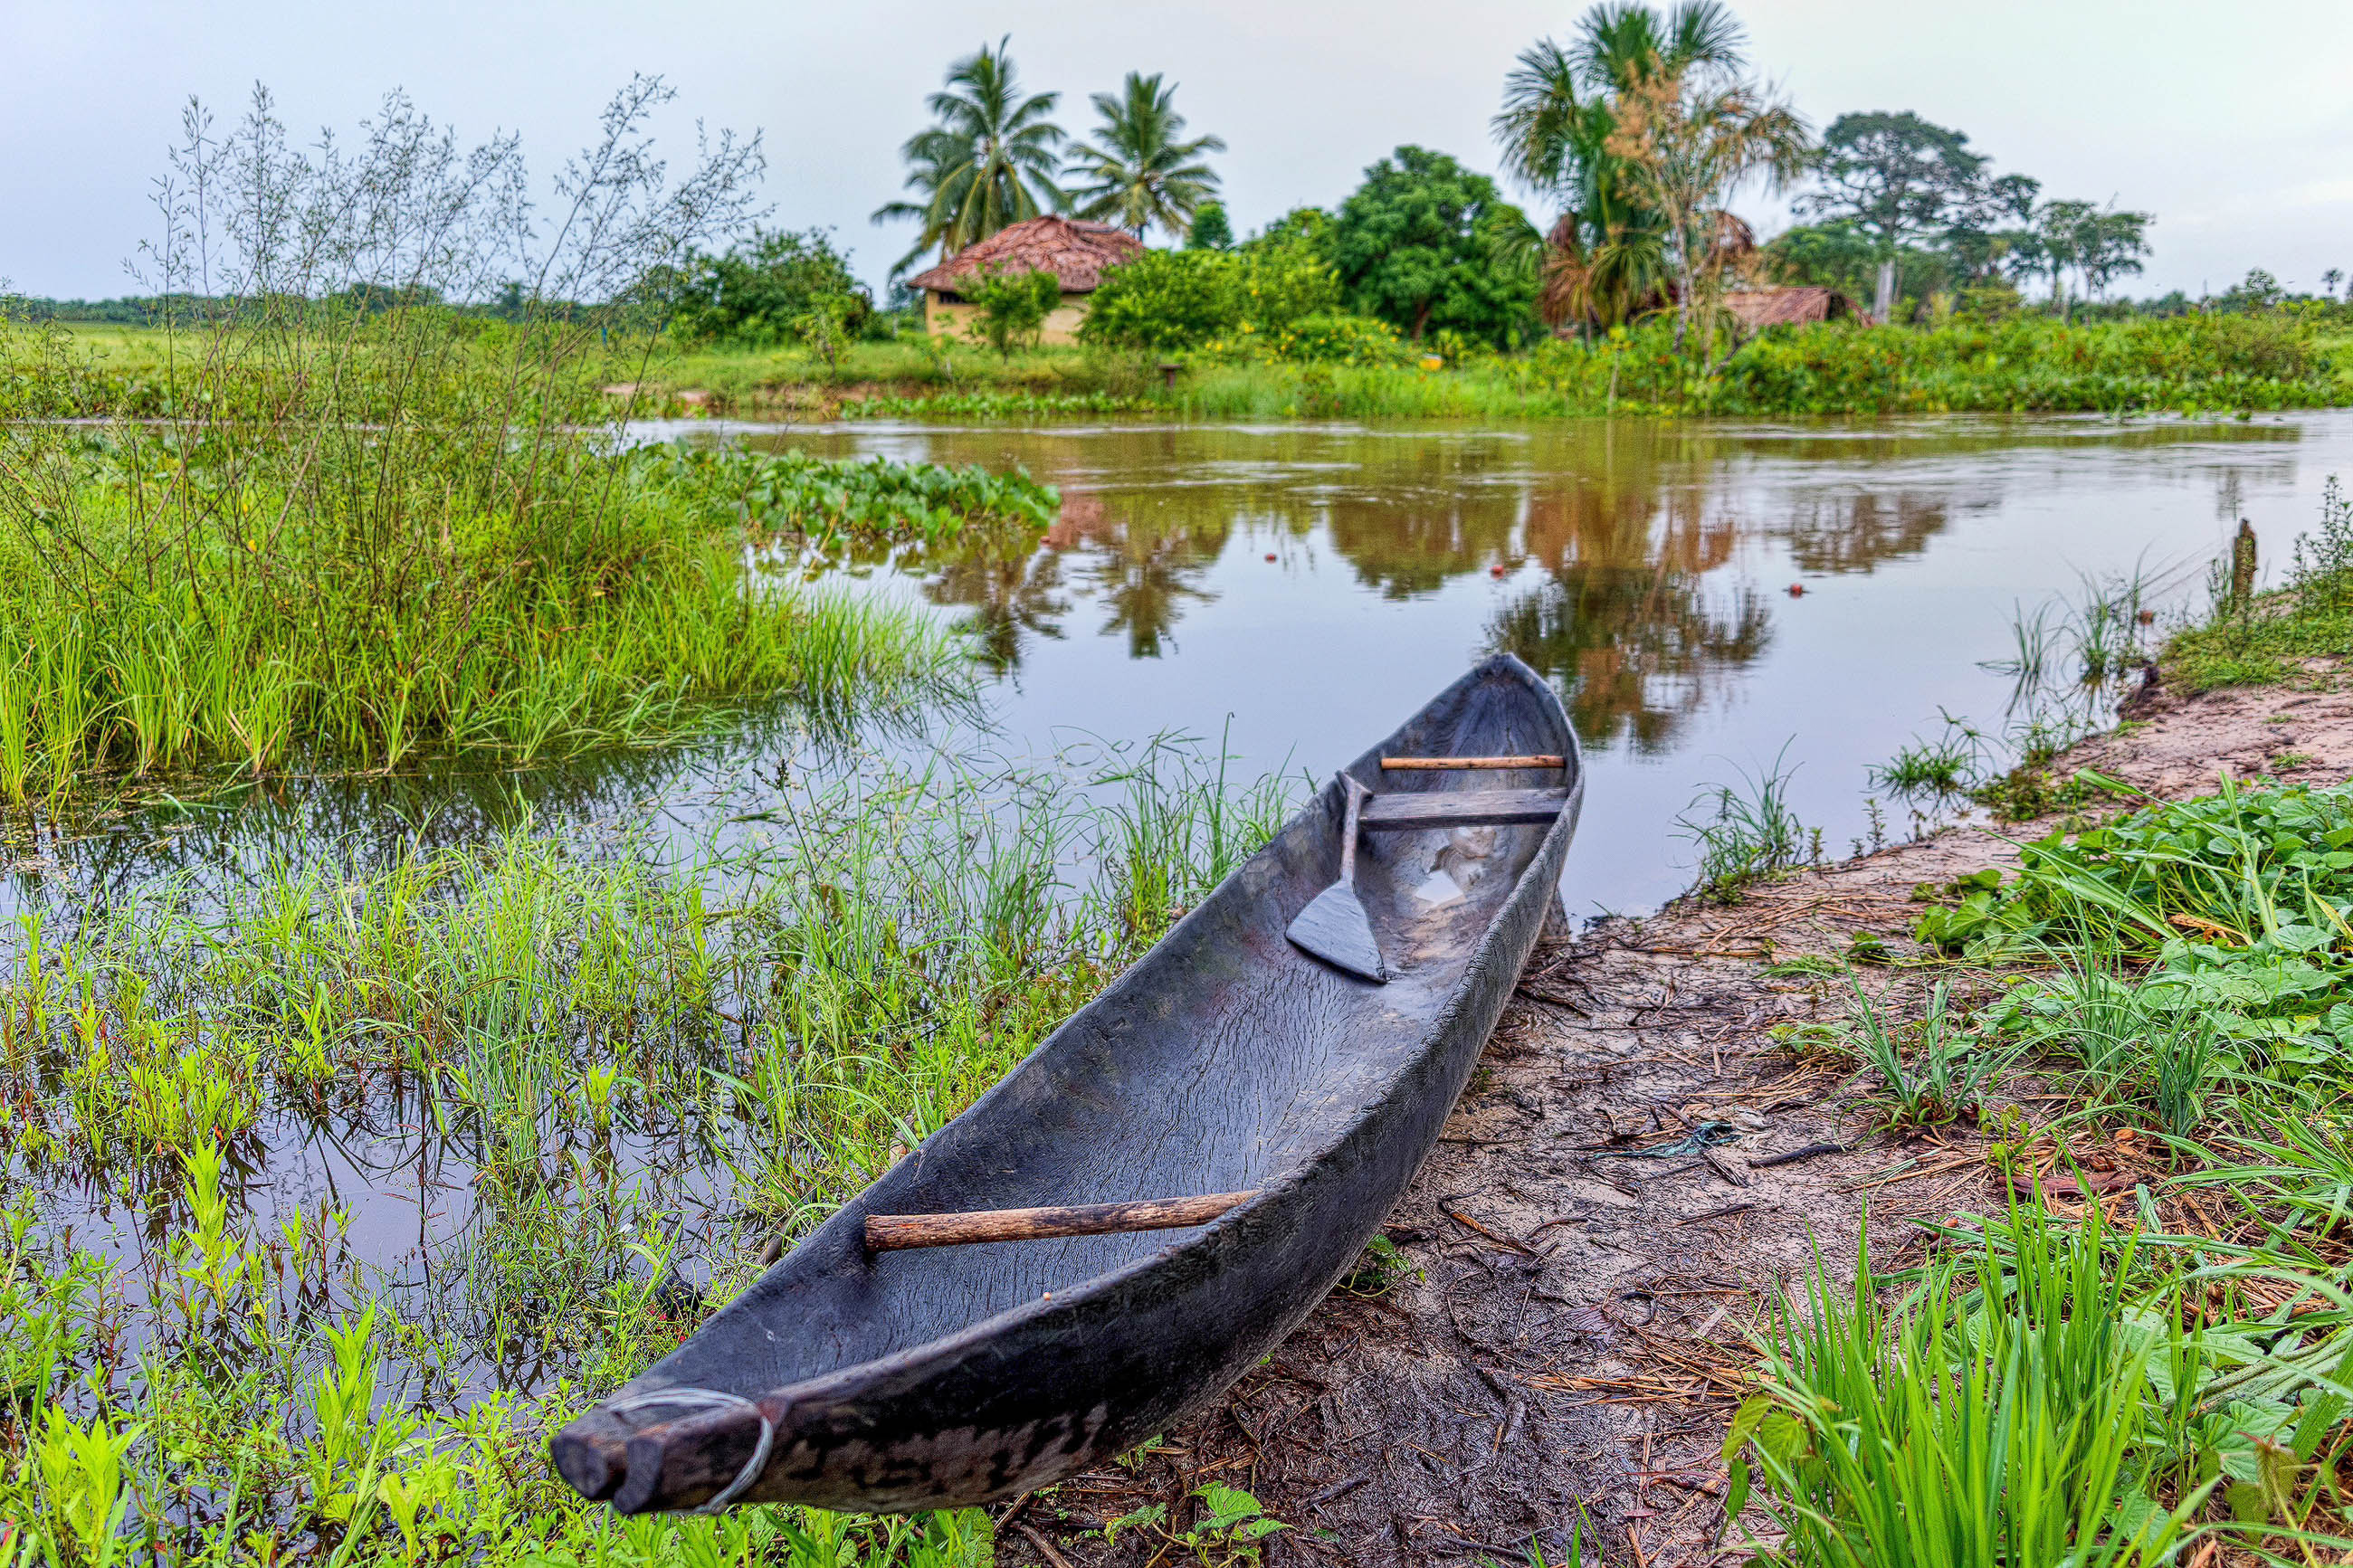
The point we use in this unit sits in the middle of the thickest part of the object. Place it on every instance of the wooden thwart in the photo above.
(894, 1232)
(1463, 808)
(1434, 765)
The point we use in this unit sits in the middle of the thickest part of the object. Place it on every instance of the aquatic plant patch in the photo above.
(823, 507)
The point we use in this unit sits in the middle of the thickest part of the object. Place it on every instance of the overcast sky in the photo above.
(2233, 123)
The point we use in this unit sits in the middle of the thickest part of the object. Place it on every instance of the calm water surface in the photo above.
(1300, 589)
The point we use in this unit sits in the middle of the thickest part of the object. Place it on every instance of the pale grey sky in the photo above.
(2232, 123)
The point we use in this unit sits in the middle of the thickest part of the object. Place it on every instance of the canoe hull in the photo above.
(1094, 1345)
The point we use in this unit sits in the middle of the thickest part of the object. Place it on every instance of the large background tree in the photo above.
(989, 159)
(1415, 245)
(1898, 179)
(1606, 257)
(1139, 170)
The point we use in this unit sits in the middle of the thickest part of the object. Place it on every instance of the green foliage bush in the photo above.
(1325, 338)
(2030, 364)
(1012, 308)
(771, 289)
(1169, 301)
(1416, 244)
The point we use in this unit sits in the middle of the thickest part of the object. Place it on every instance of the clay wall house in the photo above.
(1074, 250)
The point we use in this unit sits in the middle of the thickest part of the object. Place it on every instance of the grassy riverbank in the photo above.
(368, 547)
(2031, 364)
(2142, 1350)
(545, 1057)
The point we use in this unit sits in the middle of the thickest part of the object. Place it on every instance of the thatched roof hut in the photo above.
(1790, 306)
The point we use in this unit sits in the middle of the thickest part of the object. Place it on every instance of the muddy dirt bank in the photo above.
(1637, 1164)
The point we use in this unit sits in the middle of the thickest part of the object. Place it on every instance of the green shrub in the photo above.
(1168, 301)
(1012, 308)
(1337, 338)
(775, 287)
(1165, 301)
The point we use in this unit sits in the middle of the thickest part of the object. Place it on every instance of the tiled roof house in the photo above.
(1074, 250)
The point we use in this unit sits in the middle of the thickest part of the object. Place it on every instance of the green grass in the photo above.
(372, 548)
(2265, 639)
(576, 1044)
(2161, 1370)
(1746, 832)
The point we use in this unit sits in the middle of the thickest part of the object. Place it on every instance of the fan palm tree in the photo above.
(1139, 172)
(988, 162)
(1607, 256)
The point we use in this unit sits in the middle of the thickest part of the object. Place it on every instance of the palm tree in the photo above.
(1687, 140)
(1141, 173)
(990, 160)
(1608, 257)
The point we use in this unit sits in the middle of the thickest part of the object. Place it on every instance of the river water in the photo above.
(1708, 598)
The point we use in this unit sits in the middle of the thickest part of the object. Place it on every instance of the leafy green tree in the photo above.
(1899, 179)
(1163, 300)
(1170, 300)
(1139, 172)
(1211, 230)
(2099, 244)
(1414, 246)
(988, 162)
(1310, 227)
(774, 287)
(2111, 245)
(1606, 257)
(1011, 308)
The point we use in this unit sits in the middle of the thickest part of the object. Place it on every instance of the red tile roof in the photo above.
(1072, 249)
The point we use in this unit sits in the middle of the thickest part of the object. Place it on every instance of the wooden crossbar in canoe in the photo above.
(1462, 808)
(892, 1232)
(1447, 764)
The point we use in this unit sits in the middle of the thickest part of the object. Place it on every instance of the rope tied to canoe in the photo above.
(710, 1399)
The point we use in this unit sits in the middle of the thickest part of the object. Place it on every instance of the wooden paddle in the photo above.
(1335, 927)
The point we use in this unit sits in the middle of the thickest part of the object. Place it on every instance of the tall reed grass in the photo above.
(369, 524)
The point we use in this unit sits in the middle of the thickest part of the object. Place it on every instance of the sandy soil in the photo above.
(1567, 1327)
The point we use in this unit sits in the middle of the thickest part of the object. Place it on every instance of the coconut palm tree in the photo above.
(1607, 259)
(988, 162)
(1140, 174)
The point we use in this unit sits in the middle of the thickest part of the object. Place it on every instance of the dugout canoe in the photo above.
(1226, 1061)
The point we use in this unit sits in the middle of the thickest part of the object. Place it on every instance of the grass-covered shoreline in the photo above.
(2197, 363)
(2142, 1022)
(377, 550)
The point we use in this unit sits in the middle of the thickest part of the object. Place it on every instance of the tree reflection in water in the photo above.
(1623, 624)
(1144, 563)
(1008, 586)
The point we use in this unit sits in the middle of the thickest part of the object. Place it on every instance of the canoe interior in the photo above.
(1225, 1059)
